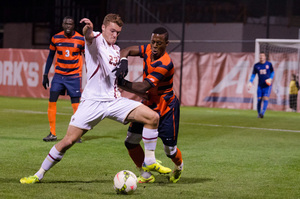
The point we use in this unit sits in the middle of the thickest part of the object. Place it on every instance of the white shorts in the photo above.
(90, 112)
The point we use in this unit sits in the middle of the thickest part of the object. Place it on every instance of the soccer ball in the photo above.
(125, 182)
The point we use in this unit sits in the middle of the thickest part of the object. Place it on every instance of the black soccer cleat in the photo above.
(260, 116)
(50, 138)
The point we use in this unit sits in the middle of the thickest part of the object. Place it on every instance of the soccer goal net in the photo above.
(284, 54)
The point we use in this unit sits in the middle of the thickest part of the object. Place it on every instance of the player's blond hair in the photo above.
(114, 18)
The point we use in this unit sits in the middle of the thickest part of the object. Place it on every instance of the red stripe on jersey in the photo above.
(94, 73)
(97, 35)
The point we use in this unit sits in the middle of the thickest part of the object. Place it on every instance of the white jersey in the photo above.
(101, 58)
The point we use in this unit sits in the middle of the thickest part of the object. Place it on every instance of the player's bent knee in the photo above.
(73, 134)
(130, 146)
(64, 144)
(133, 138)
(154, 119)
(69, 141)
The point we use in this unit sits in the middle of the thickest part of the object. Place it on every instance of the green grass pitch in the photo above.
(227, 154)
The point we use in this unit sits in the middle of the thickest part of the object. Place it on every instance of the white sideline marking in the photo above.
(198, 124)
(242, 127)
(30, 112)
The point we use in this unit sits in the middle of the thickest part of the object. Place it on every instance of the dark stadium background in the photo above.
(48, 14)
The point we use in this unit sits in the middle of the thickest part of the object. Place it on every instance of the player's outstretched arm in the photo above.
(130, 51)
(88, 30)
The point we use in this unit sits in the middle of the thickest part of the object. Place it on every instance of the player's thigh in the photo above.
(88, 114)
(259, 92)
(120, 108)
(73, 86)
(145, 115)
(267, 91)
(57, 84)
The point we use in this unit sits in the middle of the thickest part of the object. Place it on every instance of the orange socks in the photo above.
(75, 107)
(178, 158)
(52, 116)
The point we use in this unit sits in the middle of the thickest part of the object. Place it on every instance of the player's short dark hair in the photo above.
(160, 31)
(68, 17)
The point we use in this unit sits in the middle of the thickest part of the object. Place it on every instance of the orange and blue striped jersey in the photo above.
(159, 74)
(68, 53)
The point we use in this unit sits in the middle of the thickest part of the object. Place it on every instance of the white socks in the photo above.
(150, 140)
(52, 158)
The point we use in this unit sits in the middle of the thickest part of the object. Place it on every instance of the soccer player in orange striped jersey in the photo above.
(69, 47)
(157, 82)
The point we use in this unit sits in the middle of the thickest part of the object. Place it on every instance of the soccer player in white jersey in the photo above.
(101, 99)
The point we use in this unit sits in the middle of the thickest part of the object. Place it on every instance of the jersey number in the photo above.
(113, 60)
(263, 71)
(67, 53)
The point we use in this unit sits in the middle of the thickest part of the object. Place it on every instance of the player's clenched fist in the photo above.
(122, 70)
(87, 30)
(88, 25)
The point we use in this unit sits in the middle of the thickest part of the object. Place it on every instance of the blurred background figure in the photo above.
(293, 94)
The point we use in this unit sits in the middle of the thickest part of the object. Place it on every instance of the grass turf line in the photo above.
(221, 161)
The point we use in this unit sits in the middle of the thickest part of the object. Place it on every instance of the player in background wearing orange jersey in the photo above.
(69, 47)
(157, 82)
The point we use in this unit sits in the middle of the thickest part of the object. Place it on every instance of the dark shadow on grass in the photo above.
(9, 180)
(89, 137)
(94, 137)
(184, 180)
(75, 181)
(160, 180)
(16, 180)
(163, 180)
(16, 138)
(114, 194)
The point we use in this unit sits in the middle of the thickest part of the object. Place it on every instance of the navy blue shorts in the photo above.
(168, 125)
(63, 83)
